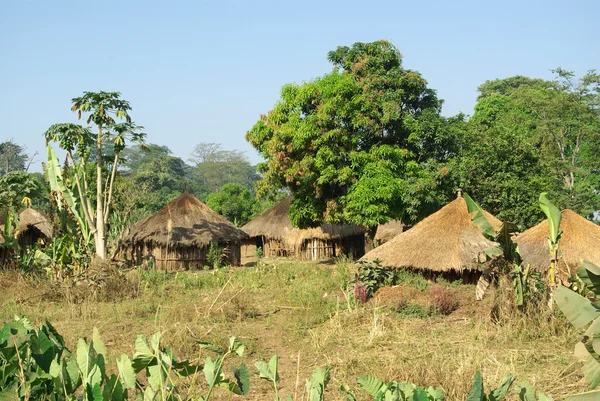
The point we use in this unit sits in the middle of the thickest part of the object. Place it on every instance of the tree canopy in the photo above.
(356, 145)
(529, 136)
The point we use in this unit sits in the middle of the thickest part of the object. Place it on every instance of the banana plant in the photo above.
(554, 217)
(583, 313)
(64, 195)
(477, 390)
(394, 391)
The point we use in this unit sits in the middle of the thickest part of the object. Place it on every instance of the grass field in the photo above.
(300, 312)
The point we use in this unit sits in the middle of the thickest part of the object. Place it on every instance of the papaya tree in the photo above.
(103, 133)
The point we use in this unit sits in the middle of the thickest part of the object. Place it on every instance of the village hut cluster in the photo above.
(447, 243)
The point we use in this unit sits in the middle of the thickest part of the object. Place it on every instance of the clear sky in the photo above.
(203, 71)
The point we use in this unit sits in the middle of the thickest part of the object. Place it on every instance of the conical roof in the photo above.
(275, 223)
(186, 222)
(29, 218)
(580, 240)
(387, 231)
(446, 240)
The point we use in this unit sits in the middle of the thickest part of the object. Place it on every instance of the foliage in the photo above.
(581, 312)
(477, 391)
(443, 301)
(393, 391)
(357, 144)
(12, 157)
(215, 255)
(17, 189)
(235, 202)
(104, 109)
(370, 276)
(554, 218)
(216, 167)
(529, 136)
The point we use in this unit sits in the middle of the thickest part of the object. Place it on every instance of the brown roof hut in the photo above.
(387, 231)
(580, 240)
(180, 234)
(445, 241)
(33, 226)
(274, 233)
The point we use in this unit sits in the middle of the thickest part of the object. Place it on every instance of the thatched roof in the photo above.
(580, 240)
(446, 240)
(275, 223)
(185, 222)
(389, 230)
(31, 218)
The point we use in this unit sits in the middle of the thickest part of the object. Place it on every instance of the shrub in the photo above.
(443, 301)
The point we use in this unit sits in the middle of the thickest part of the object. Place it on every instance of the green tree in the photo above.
(356, 145)
(12, 157)
(529, 136)
(163, 175)
(235, 202)
(216, 167)
(104, 109)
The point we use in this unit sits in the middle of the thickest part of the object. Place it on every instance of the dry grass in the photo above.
(298, 311)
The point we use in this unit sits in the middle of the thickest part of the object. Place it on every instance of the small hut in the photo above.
(180, 234)
(273, 232)
(33, 225)
(387, 231)
(580, 240)
(446, 242)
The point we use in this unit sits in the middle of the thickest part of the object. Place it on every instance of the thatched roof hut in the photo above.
(180, 234)
(580, 240)
(387, 231)
(445, 241)
(274, 233)
(33, 225)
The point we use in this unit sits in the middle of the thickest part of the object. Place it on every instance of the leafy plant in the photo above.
(215, 255)
(372, 276)
(443, 301)
(581, 312)
(478, 394)
(394, 391)
(554, 218)
(315, 387)
(213, 369)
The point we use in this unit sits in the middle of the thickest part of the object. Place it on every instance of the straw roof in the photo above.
(31, 218)
(580, 240)
(185, 222)
(446, 240)
(275, 223)
(389, 230)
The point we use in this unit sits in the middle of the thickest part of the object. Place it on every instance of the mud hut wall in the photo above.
(273, 247)
(316, 249)
(353, 246)
(182, 257)
(247, 249)
(6, 253)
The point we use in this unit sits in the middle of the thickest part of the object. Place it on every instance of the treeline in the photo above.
(364, 143)
(149, 176)
(367, 143)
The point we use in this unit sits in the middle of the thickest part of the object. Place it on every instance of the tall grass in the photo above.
(299, 311)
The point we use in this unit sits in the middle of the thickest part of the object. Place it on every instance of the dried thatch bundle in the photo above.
(34, 220)
(580, 240)
(447, 240)
(387, 231)
(275, 224)
(185, 222)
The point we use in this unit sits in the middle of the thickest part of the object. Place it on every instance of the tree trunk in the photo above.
(100, 236)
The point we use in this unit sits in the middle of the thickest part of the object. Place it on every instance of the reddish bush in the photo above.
(360, 292)
(443, 300)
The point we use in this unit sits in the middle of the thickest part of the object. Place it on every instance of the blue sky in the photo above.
(203, 71)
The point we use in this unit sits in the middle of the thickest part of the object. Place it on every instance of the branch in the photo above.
(30, 161)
